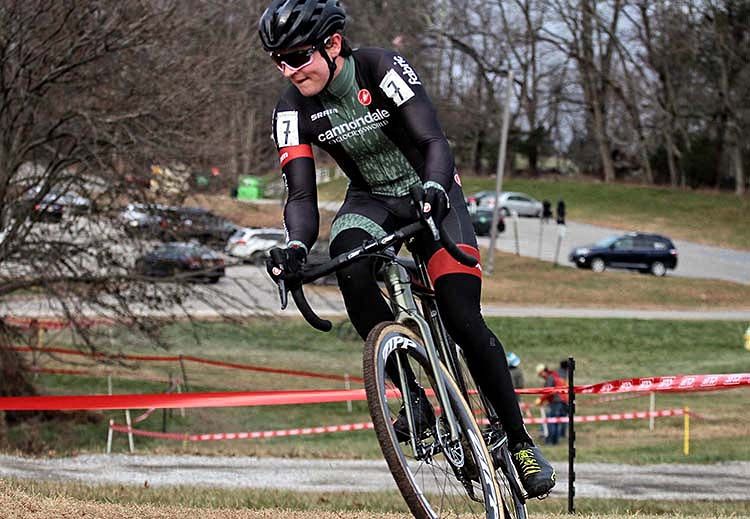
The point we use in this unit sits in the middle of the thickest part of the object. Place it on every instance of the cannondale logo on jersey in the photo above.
(359, 126)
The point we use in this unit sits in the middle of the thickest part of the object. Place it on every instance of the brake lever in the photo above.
(417, 196)
(283, 295)
(431, 225)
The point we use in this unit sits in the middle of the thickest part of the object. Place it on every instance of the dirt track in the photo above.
(726, 481)
(15, 504)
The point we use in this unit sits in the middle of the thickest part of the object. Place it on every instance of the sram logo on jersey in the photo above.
(324, 113)
(407, 70)
(359, 126)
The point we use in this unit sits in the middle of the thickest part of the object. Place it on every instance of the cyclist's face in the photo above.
(312, 77)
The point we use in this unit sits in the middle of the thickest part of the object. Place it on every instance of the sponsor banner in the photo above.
(675, 383)
(665, 384)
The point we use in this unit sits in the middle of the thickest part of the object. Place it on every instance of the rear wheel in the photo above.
(438, 478)
(658, 269)
(598, 265)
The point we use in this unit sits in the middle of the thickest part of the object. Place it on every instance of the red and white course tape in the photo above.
(687, 383)
(362, 426)
(255, 435)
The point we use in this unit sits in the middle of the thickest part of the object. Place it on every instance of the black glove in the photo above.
(285, 264)
(436, 202)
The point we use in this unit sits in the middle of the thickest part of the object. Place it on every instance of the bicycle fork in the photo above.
(405, 307)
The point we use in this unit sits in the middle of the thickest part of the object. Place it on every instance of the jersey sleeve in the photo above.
(403, 86)
(301, 217)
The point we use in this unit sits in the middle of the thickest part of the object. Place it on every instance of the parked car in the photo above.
(481, 219)
(509, 201)
(252, 245)
(480, 199)
(637, 251)
(48, 209)
(190, 260)
(186, 223)
(143, 219)
(76, 204)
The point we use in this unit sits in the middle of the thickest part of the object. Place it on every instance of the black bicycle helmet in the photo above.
(292, 23)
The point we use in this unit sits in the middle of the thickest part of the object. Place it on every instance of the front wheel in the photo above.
(436, 476)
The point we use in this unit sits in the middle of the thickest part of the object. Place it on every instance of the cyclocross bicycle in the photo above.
(453, 459)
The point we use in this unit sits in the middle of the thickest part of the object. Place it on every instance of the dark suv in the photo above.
(637, 251)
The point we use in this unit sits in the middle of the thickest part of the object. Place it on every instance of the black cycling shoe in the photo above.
(424, 418)
(536, 473)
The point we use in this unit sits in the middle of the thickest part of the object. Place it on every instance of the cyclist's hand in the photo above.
(285, 264)
(436, 202)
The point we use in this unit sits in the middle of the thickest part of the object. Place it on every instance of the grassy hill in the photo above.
(707, 217)
(604, 349)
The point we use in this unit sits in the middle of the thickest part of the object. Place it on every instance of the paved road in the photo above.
(247, 291)
(725, 481)
(694, 260)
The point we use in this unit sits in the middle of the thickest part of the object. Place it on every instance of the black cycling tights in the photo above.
(458, 300)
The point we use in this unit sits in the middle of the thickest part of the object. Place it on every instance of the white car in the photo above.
(252, 245)
(510, 201)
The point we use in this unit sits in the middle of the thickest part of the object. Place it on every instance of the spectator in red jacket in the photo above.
(557, 403)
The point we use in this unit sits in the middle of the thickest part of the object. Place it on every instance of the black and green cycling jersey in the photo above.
(376, 121)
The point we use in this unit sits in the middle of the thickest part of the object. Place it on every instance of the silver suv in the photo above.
(252, 245)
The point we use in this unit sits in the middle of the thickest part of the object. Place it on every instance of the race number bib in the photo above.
(287, 129)
(396, 88)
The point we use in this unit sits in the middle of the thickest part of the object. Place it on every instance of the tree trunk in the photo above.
(594, 96)
(602, 142)
(672, 165)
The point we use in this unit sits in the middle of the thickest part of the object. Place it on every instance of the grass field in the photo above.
(707, 217)
(604, 350)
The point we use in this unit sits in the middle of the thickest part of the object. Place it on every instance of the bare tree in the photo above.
(90, 94)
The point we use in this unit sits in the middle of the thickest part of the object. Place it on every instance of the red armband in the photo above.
(294, 152)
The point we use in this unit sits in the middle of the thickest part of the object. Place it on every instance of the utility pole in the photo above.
(490, 266)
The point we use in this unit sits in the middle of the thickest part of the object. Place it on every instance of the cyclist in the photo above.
(369, 110)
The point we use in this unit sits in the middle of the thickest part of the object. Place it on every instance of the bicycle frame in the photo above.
(398, 284)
